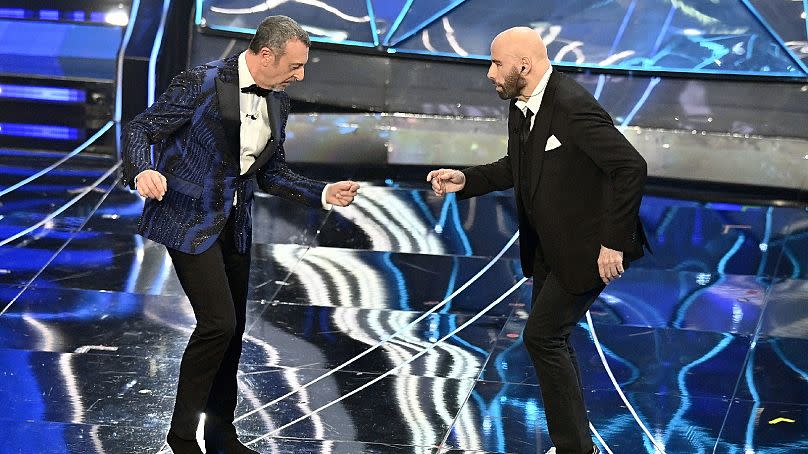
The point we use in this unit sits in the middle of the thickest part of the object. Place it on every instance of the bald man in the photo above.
(578, 185)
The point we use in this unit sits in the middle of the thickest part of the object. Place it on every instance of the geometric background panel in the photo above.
(743, 37)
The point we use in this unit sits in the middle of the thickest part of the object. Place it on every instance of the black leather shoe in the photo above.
(182, 446)
(595, 450)
(231, 446)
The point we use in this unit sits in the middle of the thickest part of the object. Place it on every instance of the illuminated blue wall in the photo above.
(715, 36)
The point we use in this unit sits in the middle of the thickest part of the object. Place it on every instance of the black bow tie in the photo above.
(256, 90)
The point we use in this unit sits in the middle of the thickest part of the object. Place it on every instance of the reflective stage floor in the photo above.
(706, 337)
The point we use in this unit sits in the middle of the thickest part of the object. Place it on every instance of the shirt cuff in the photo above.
(326, 205)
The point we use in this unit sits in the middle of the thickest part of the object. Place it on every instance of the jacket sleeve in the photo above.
(593, 131)
(482, 179)
(276, 178)
(170, 112)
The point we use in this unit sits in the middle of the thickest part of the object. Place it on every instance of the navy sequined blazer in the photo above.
(195, 127)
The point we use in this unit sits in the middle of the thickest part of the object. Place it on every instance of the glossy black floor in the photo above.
(707, 337)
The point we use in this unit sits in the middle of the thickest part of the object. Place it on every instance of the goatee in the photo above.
(513, 85)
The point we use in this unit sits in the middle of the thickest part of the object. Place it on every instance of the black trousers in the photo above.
(554, 314)
(216, 283)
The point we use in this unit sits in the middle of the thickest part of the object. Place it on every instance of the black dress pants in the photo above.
(216, 283)
(554, 314)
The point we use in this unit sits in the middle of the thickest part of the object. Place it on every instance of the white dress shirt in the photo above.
(255, 131)
(534, 102)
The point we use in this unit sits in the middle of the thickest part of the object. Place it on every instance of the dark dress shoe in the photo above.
(595, 450)
(231, 446)
(181, 445)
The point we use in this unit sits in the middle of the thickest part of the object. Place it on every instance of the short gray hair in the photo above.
(275, 31)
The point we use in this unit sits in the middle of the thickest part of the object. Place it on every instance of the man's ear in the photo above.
(267, 56)
(525, 64)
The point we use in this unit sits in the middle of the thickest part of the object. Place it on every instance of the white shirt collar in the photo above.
(534, 102)
(245, 79)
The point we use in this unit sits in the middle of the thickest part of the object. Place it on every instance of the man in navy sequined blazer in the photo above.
(218, 130)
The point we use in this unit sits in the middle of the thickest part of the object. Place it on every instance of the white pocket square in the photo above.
(552, 144)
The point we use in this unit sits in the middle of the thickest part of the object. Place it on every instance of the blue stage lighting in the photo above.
(39, 131)
(48, 14)
(12, 13)
(38, 93)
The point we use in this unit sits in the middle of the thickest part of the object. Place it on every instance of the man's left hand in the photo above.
(610, 264)
(341, 193)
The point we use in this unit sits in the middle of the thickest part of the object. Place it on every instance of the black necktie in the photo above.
(524, 128)
(256, 90)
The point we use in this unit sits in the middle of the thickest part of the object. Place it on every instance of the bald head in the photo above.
(518, 62)
(521, 42)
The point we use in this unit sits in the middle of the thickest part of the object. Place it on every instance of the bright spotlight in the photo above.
(117, 17)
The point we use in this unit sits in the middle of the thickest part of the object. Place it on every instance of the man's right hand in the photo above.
(151, 184)
(446, 180)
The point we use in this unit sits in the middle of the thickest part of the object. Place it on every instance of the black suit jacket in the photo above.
(583, 194)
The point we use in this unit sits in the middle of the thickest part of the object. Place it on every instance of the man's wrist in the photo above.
(138, 175)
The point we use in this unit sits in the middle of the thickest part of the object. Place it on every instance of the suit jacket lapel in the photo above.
(513, 141)
(274, 111)
(541, 131)
(263, 158)
(228, 94)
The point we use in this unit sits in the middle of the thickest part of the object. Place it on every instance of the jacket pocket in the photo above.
(183, 186)
(555, 152)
